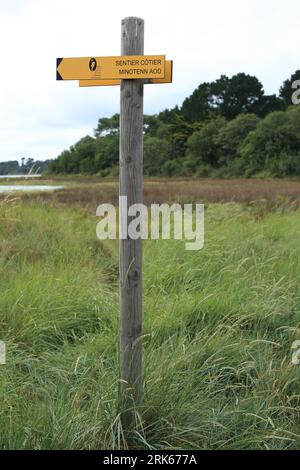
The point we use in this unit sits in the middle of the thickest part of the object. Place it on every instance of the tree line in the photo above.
(228, 127)
(13, 167)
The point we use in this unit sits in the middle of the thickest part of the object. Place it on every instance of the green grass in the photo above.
(218, 330)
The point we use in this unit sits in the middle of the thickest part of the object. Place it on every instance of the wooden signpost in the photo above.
(131, 71)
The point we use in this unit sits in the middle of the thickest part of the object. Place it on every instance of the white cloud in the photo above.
(205, 38)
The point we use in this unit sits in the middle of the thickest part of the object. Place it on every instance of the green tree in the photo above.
(229, 97)
(108, 126)
(179, 131)
(274, 146)
(199, 106)
(202, 145)
(232, 134)
(10, 168)
(240, 94)
(268, 104)
(154, 127)
(156, 153)
(107, 152)
(61, 163)
(168, 116)
(286, 91)
(83, 158)
(171, 168)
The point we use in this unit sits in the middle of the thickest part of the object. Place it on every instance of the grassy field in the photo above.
(89, 192)
(218, 323)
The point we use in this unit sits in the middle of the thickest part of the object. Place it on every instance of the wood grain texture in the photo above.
(131, 178)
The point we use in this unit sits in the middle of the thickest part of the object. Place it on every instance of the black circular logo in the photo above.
(93, 64)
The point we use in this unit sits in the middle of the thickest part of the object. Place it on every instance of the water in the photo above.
(9, 188)
(19, 176)
(27, 187)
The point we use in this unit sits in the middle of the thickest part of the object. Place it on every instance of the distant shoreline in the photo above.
(20, 176)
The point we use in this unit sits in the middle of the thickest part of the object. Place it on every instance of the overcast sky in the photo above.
(39, 117)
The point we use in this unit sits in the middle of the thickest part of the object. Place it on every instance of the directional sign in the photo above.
(167, 79)
(114, 67)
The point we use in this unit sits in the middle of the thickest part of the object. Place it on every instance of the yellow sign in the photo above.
(108, 68)
(167, 79)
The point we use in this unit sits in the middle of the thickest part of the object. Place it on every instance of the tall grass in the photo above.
(218, 328)
(89, 192)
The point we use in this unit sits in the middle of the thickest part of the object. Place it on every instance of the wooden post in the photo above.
(131, 179)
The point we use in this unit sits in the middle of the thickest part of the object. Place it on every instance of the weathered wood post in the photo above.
(131, 179)
(109, 71)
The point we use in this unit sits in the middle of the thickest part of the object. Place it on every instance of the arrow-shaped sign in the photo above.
(166, 79)
(114, 67)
